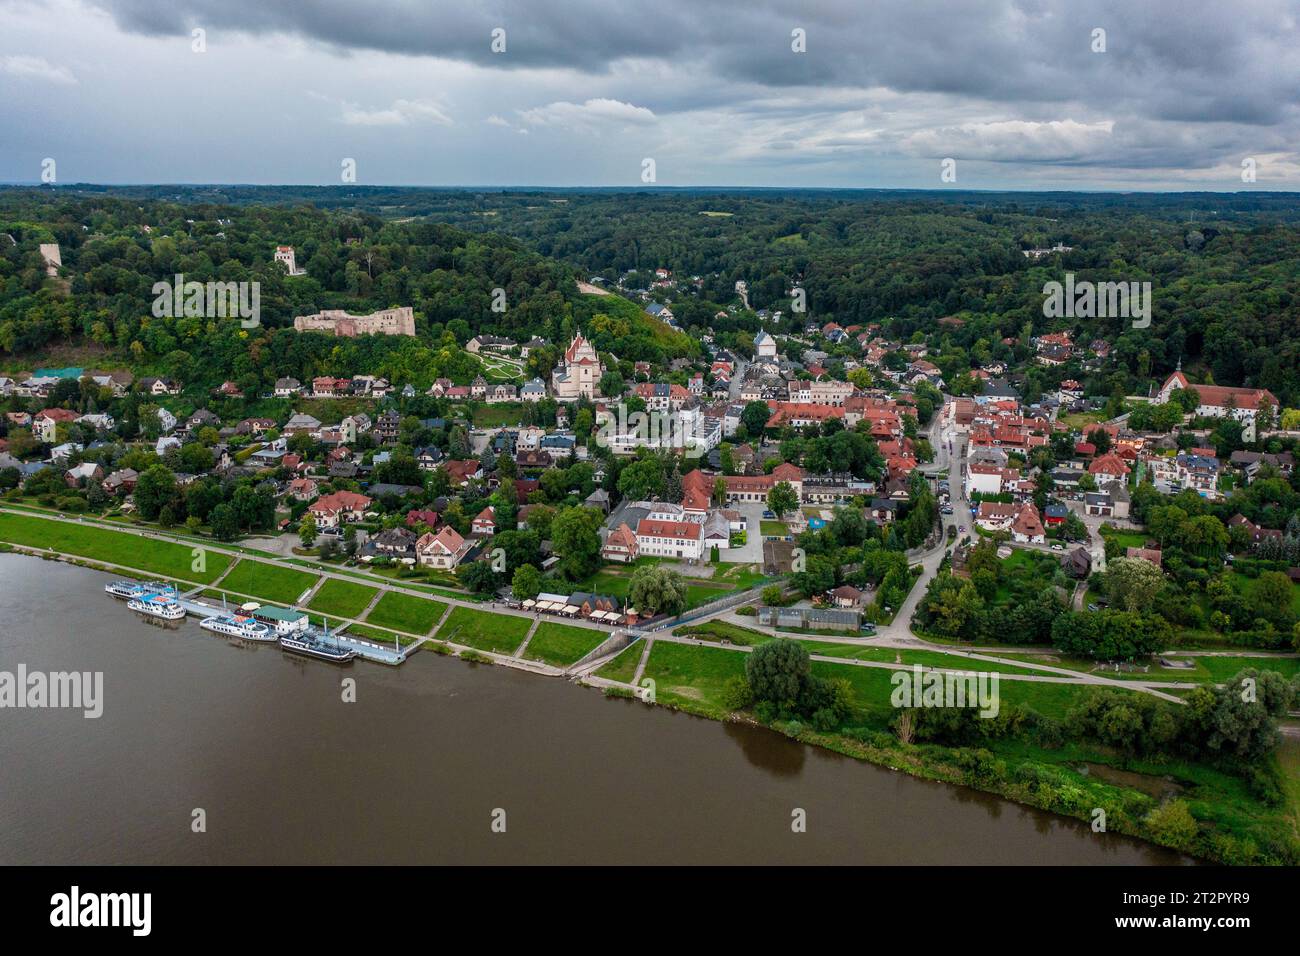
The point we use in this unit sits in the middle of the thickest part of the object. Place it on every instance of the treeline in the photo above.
(1226, 293)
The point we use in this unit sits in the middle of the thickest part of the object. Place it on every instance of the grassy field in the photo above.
(693, 676)
(1221, 669)
(1246, 587)
(115, 547)
(890, 655)
(342, 597)
(381, 636)
(1081, 419)
(623, 667)
(562, 644)
(267, 581)
(494, 416)
(724, 630)
(1212, 670)
(1128, 539)
(406, 613)
(500, 633)
(770, 527)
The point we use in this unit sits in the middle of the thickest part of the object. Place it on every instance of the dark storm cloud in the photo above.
(587, 88)
(1166, 59)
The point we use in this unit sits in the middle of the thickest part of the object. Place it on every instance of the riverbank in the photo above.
(418, 766)
(691, 678)
(1234, 826)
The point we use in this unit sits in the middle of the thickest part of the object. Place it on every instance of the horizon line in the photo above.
(647, 188)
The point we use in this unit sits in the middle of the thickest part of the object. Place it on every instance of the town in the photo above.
(677, 480)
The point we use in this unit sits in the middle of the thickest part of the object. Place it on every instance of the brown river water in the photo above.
(414, 771)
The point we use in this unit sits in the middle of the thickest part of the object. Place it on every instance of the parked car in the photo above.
(946, 509)
(769, 515)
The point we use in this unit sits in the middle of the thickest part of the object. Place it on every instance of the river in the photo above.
(415, 770)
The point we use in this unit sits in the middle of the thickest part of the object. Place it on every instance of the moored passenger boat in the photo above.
(236, 625)
(159, 606)
(312, 643)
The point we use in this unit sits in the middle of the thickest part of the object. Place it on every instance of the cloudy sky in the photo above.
(713, 91)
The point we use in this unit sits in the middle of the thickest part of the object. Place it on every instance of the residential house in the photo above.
(1027, 527)
(338, 507)
(620, 545)
(485, 522)
(46, 422)
(443, 550)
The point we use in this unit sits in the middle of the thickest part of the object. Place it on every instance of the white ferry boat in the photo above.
(158, 605)
(133, 589)
(235, 625)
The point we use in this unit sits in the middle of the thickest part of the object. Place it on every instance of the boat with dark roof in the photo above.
(313, 643)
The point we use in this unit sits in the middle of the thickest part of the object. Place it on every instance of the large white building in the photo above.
(670, 539)
(1219, 401)
(765, 345)
(988, 479)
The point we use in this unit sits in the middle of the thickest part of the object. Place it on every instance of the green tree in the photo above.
(155, 489)
(754, 418)
(307, 530)
(777, 671)
(526, 583)
(655, 589)
(575, 535)
(224, 521)
(477, 576)
(1133, 583)
(1271, 598)
(782, 499)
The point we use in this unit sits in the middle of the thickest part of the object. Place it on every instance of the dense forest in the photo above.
(114, 250)
(1223, 267)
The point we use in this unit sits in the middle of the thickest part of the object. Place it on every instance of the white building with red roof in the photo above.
(620, 546)
(443, 550)
(670, 539)
(579, 373)
(1027, 526)
(340, 506)
(1222, 401)
(1107, 469)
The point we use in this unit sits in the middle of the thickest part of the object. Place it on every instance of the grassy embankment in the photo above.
(561, 644)
(483, 630)
(165, 558)
(1072, 778)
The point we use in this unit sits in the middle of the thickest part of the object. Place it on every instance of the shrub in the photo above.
(736, 694)
(1172, 824)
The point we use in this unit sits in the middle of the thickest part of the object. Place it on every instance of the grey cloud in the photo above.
(1160, 53)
